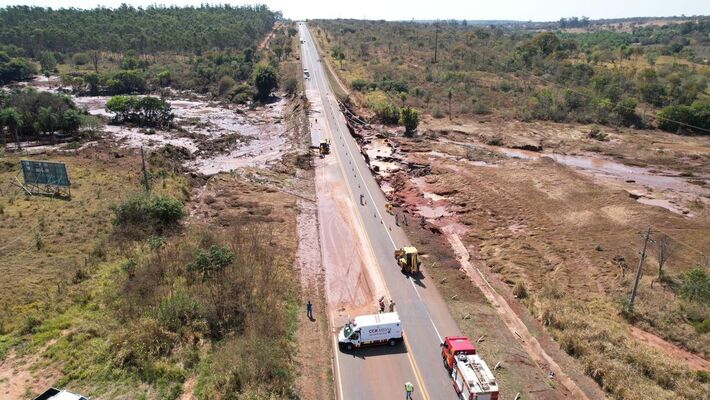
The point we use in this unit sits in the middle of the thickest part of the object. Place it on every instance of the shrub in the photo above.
(164, 78)
(124, 82)
(696, 286)
(140, 343)
(80, 59)
(207, 264)
(291, 86)
(359, 84)
(520, 290)
(409, 118)
(148, 211)
(596, 133)
(177, 311)
(436, 112)
(668, 117)
(225, 85)
(16, 69)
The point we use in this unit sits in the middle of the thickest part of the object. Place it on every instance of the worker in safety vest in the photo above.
(409, 388)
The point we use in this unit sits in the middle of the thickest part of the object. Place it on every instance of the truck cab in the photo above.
(454, 346)
(367, 330)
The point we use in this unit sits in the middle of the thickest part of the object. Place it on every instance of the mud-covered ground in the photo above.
(548, 207)
(209, 137)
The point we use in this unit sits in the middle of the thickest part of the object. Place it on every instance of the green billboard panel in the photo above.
(45, 173)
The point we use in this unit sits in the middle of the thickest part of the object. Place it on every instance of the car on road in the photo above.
(368, 330)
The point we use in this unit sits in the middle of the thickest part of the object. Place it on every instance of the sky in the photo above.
(522, 10)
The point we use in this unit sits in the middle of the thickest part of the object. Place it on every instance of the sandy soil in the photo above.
(694, 362)
(19, 379)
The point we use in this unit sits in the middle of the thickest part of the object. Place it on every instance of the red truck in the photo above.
(472, 379)
(453, 346)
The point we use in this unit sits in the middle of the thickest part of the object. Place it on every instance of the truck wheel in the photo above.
(446, 365)
(392, 342)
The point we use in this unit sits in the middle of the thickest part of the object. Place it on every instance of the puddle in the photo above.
(667, 184)
(433, 212)
(664, 204)
(422, 186)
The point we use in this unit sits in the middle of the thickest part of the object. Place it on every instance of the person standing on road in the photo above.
(391, 305)
(409, 389)
(309, 310)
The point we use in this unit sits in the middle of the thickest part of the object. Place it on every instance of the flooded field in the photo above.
(218, 137)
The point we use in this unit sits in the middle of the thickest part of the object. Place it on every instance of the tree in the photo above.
(48, 121)
(71, 121)
(546, 42)
(409, 118)
(164, 78)
(122, 106)
(47, 63)
(696, 285)
(92, 80)
(671, 118)
(338, 54)
(664, 250)
(95, 57)
(265, 80)
(450, 95)
(13, 121)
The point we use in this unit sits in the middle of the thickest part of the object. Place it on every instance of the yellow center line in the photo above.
(329, 130)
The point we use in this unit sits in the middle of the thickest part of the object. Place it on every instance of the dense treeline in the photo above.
(602, 77)
(145, 30)
(131, 50)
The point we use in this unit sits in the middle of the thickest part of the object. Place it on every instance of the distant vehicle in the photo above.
(324, 147)
(368, 330)
(306, 74)
(472, 379)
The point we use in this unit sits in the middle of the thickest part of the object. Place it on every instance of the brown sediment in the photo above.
(693, 361)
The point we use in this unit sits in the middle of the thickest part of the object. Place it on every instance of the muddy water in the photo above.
(665, 189)
(665, 180)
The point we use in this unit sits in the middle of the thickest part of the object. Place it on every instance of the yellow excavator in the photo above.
(324, 147)
(408, 260)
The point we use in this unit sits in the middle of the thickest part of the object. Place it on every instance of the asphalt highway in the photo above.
(380, 373)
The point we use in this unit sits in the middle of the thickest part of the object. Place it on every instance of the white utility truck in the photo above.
(367, 330)
(473, 379)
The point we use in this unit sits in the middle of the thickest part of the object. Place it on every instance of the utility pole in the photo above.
(436, 40)
(638, 271)
(146, 183)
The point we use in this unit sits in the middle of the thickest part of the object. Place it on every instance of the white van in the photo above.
(372, 329)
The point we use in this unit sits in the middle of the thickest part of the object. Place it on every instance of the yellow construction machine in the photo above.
(324, 147)
(408, 259)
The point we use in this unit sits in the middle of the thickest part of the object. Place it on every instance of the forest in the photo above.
(130, 51)
(652, 76)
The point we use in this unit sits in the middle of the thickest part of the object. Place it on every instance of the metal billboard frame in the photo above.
(46, 178)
